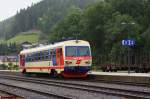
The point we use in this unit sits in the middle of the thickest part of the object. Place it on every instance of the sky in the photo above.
(9, 8)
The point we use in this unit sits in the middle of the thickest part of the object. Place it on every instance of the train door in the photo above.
(59, 57)
(22, 60)
(54, 57)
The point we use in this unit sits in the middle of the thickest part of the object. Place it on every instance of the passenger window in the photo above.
(33, 57)
(46, 57)
(30, 59)
(39, 58)
(36, 56)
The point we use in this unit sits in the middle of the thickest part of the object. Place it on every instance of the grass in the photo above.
(23, 37)
(1, 40)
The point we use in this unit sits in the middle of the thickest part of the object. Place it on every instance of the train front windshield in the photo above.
(77, 51)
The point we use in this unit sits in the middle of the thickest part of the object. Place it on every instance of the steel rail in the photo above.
(37, 92)
(90, 78)
(85, 87)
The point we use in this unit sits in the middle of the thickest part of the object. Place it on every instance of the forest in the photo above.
(104, 23)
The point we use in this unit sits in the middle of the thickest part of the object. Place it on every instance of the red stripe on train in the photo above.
(79, 58)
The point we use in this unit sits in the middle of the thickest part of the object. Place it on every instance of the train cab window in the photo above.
(83, 51)
(71, 51)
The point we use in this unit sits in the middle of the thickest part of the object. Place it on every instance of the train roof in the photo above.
(55, 45)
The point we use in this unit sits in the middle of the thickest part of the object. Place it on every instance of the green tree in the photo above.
(93, 21)
(68, 27)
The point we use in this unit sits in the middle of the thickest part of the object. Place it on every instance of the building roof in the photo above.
(8, 57)
(26, 43)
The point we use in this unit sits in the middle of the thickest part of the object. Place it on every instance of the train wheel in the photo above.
(137, 70)
(115, 70)
(53, 73)
(107, 70)
(26, 74)
(111, 70)
(103, 70)
(146, 71)
(24, 71)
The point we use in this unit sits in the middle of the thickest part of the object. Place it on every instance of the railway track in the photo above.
(86, 86)
(90, 78)
(46, 95)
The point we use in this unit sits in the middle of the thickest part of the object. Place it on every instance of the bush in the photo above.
(11, 66)
(3, 67)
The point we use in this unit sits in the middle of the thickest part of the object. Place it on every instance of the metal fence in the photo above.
(138, 61)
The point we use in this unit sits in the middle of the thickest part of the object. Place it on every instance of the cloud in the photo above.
(9, 8)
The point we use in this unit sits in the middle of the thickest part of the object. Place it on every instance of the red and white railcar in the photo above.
(70, 58)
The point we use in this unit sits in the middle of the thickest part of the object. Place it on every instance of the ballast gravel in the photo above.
(73, 93)
(23, 93)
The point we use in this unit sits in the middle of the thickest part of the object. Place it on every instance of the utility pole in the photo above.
(128, 42)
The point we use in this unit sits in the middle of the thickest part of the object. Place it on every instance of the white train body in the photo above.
(69, 58)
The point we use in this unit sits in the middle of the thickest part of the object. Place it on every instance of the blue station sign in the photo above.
(128, 42)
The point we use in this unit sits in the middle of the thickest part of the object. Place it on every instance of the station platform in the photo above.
(141, 78)
(125, 73)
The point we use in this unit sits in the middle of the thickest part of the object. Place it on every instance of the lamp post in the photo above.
(128, 42)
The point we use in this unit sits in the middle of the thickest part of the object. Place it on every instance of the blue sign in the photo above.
(128, 42)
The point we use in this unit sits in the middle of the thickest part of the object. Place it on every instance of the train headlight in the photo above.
(68, 62)
(87, 62)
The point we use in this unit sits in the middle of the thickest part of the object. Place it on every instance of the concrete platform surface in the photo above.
(125, 73)
(142, 78)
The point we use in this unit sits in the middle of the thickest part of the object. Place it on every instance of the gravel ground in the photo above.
(119, 86)
(24, 93)
(6, 95)
(76, 94)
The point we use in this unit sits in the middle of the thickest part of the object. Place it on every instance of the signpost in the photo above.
(128, 42)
